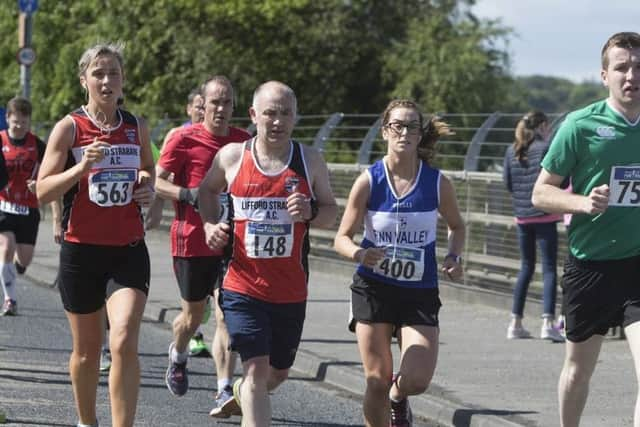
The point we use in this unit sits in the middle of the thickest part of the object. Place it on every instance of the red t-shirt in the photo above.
(100, 209)
(188, 154)
(22, 162)
(269, 260)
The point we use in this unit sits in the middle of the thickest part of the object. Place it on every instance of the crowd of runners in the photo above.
(244, 204)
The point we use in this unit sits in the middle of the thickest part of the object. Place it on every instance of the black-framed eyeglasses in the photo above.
(397, 127)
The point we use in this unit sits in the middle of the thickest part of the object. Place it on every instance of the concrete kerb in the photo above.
(334, 372)
(434, 408)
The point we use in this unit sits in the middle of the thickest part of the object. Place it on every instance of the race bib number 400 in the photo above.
(624, 186)
(112, 187)
(402, 263)
(263, 240)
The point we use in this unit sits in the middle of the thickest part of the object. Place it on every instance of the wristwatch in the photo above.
(456, 258)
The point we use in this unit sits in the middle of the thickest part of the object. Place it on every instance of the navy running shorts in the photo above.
(197, 276)
(259, 328)
(24, 227)
(90, 274)
(598, 295)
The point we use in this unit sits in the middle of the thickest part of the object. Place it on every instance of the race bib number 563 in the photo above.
(112, 187)
(624, 186)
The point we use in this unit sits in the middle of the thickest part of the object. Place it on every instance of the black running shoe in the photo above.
(401, 414)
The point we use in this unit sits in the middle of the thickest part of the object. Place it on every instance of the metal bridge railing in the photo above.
(491, 255)
(471, 158)
(479, 142)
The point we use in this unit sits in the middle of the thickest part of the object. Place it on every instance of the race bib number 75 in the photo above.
(624, 186)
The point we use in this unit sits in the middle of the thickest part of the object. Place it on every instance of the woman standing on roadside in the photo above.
(521, 169)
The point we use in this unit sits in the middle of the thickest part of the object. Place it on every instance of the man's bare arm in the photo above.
(549, 197)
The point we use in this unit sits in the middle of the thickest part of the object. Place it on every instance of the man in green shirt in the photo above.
(599, 148)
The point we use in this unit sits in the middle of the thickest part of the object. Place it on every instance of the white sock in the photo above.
(395, 382)
(8, 278)
(178, 357)
(223, 383)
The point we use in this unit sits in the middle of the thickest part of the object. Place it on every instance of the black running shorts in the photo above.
(24, 227)
(598, 295)
(376, 302)
(196, 276)
(90, 274)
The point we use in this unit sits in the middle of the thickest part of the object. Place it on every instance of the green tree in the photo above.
(449, 62)
(555, 95)
(338, 55)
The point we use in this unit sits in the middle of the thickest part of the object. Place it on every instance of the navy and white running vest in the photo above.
(405, 227)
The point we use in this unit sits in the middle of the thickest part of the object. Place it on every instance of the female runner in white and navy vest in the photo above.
(99, 157)
(395, 287)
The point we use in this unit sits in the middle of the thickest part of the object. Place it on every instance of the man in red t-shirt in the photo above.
(195, 111)
(187, 156)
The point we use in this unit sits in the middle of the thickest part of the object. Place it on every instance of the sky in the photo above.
(561, 38)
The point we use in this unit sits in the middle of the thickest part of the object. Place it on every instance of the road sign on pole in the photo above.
(26, 56)
(28, 6)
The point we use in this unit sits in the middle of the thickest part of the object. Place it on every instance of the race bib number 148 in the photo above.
(264, 240)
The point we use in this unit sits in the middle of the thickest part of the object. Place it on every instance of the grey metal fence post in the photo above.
(473, 152)
(326, 129)
(367, 142)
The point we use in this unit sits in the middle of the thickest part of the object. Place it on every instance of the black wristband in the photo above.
(189, 195)
(314, 209)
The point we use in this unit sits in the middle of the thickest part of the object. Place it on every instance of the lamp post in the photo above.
(26, 55)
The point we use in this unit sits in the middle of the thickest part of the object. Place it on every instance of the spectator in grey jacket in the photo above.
(521, 169)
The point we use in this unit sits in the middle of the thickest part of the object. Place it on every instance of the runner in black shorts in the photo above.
(187, 155)
(99, 158)
(22, 153)
(395, 288)
(598, 147)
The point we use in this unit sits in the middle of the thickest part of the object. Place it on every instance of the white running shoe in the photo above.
(105, 360)
(550, 333)
(517, 333)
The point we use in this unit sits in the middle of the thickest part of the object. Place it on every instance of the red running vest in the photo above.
(100, 209)
(22, 165)
(269, 260)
